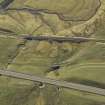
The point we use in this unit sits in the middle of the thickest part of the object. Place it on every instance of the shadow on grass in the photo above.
(86, 82)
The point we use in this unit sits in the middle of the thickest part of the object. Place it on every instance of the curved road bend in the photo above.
(5, 3)
(59, 83)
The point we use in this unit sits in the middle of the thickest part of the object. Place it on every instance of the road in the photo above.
(63, 39)
(52, 38)
(5, 3)
(59, 83)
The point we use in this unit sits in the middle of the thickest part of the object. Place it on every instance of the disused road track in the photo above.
(58, 83)
(52, 38)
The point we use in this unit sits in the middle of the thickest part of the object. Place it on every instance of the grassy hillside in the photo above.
(81, 63)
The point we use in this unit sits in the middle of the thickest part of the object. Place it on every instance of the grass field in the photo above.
(67, 10)
(81, 63)
(8, 49)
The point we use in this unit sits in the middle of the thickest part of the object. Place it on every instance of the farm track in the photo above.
(58, 83)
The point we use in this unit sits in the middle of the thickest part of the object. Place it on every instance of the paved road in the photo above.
(63, 39)
(59, 83)
(52, 38)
